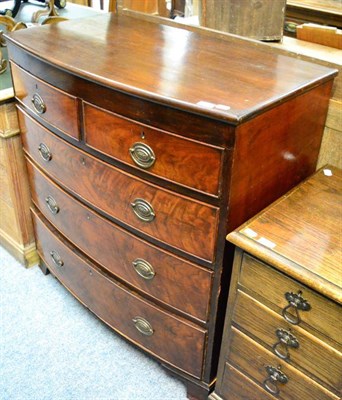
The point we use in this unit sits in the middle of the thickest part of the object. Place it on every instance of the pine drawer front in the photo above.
(166, 278)
(305, 351)
(56, 107)
(237, 386)
(253, 359)
(187, 162)
(164, 335)
(176, 220)
(323, 316)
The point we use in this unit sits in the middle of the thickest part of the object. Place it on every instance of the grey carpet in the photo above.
(53, 348)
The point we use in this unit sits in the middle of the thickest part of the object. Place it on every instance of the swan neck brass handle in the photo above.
(143, 210)
(142, 155)
(286, 339)
(143, 326)
(296, 303)
(52, 205)
(56, 258)
(44, 152)
(143, 268)
(275, 376)
(38, 104)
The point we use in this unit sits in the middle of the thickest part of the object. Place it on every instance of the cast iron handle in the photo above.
(143, 268)
(38, 103)
(143, 210)
(275, 376)
(286, 340)
(56, 258)
(44, 152)
(143, 326)
(142, 155)
(52, 205)
(296, 302)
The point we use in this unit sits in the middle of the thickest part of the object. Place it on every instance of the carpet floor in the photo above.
(53, 348)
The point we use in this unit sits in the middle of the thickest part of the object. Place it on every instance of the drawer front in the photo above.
(167, 278)
(253, 359)
(176, 220)
(236, 386)
(323, 316)
(160, 153)
(306, 351)
(160, 333)
(56, 107)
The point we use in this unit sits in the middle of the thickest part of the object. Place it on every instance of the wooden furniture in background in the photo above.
(140, 167)
(262, 19)
(283, 325)
(16, 231)
(326, 35)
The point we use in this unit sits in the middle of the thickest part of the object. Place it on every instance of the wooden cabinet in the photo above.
(143, 152)
(283, 325)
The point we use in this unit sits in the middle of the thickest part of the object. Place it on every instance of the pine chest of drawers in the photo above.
(145, 145)
(282, 335)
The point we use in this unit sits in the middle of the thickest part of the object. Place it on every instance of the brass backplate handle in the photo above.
(143, 268)
(38, 104)
(143, 326)
(275, 376)
(286, 340)
(52, 205)
(143, 210)
(142, 154)
(56, 258)
(296, 303)
(45, 152)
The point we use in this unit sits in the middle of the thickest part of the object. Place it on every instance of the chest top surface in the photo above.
(301, 233)
(227, 79)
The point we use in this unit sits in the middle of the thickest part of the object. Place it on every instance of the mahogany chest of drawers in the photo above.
(146, 144)
(283, 325)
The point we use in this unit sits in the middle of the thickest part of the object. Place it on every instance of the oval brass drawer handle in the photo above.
(142, 155)
(56, 258)
(286, 340)
(143, 268)
(45, 152)
(275, 375)
(143, 326)
(296, 302)
(143, 210)
(52, 205)
(38, 103)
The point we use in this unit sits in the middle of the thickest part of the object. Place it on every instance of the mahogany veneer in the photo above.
(158, 141)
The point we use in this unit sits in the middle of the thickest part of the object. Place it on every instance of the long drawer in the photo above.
(167, 278)
(303, 349)
(167, 337)
(58, 108)
(317, 312)
(176, 220)
(262, 366)
(184, 161)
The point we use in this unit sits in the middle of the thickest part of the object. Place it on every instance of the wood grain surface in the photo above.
(187, 162)
(180, 222)
(174, 66)
(177, 282)
(174, 340)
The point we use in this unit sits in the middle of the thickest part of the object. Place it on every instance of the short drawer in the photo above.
(177, 159)
(237, 386)
(56, 107)
(178, 221)
(162, 334)
(304, 350)
(253, 360)
(323, 316)
(158, 273)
